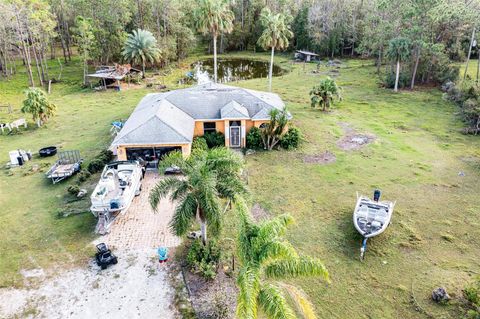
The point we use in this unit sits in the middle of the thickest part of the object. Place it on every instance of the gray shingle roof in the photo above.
(234, 110)
(156, 121)
(169, 118)
(206, 101)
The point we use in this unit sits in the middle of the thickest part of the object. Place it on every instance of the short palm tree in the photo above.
(275, 35)
(37, 104)
(275, 129)
(209, 176)
(214, 17)
(266, 259)
(398, 50)
(324, 93)
(140, 48)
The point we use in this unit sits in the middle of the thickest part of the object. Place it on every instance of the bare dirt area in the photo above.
(215, 298)
(326, 157)
(259, 213)
(353, 140)
(137, 287)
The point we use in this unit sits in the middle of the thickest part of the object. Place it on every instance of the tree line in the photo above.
(419, 38)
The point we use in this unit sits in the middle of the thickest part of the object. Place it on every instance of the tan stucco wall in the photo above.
(221, 126)
(198, 130)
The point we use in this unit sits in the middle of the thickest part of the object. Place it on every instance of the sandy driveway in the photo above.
(137, 287)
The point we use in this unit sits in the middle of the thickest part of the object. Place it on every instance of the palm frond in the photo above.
(184, 215)
(301, 301)
(248, 282)
(274, 304)
(276, 227)
(276, 250)
(296, 267)
(230, 187)
(141, 46)
(161, 190)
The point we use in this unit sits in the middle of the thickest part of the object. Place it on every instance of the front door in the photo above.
(234, 136)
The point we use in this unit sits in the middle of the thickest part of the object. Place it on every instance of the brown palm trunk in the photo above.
(203, 225)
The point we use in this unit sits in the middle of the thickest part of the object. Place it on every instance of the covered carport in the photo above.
(151, 155)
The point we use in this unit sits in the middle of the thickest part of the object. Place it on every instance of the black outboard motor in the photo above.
(376, 195)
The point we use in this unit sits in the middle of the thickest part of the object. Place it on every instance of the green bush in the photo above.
(472, 294)
(468, 99)
(214, 139)
(403, 80)
(254, 138)
(97, 164)
(204, 259)
(199, 143)
(83, 176)
(291, 139)
(73, 189)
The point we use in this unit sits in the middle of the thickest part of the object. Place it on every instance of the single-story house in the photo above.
(168, 121)
(306, 56)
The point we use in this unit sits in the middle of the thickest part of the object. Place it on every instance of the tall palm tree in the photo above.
(209, 176)
(324, 93)
(398, 50)
(266, 258)
(275, 35)
(214, 17)
(140, 48)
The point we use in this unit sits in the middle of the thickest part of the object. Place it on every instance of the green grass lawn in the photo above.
(415, 159)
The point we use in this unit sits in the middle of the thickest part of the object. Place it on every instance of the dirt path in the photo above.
(137, 287)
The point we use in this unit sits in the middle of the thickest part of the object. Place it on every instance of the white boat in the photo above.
(119, 184)
(371, 217)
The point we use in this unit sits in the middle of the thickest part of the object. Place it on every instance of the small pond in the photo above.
(230, 70)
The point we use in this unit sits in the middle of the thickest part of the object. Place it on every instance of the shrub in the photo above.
(291, 139)
(214, 139)
(204, 259)
(97, 164)
(472, 294)
(83, 176)
(73, 189)
(254, 138)
(403, 80)
(468, 99)
(199, 143)
(445, 72)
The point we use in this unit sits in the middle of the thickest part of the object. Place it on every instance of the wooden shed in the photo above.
(306, 56)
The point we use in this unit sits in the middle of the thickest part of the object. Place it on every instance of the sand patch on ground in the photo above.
(137, 287)
(326, 157)
(353, 140)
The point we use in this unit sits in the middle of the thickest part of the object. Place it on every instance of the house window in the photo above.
(209, 127)
(263, 125)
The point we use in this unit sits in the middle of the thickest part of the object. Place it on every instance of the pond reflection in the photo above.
(230, 70)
